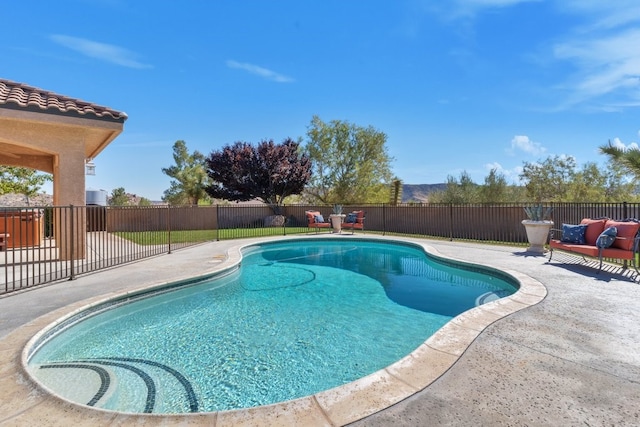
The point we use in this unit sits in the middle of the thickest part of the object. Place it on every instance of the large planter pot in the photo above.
(336, 222)
(537, 233)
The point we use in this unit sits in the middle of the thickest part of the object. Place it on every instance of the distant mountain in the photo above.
(420, 192)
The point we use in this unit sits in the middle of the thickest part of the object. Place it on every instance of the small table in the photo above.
(336, 222)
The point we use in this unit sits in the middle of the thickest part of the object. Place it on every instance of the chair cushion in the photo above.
(607, 237)
(595, 227)
(573, 247)
(351, 218)
(574, 233)
(311, 216)
(318, 218)
(627, 231)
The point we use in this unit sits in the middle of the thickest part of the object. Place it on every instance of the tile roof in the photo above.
(32, 98)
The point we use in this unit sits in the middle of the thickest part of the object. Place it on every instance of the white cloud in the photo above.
(495, 165)
(602, 47)
(603, 50)
(259, 71)
(511, 175)
(603, 14)
(523, 143)
(616, 142)
(105, 52)
(469, 8)
(490, 3)
(608, 65)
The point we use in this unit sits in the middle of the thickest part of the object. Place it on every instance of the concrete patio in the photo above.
(571, 359)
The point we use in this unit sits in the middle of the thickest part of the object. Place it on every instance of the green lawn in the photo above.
(237, 233)
(162, 237)
(198, 236)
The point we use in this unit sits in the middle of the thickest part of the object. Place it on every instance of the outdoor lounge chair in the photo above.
(354, 221)
(316, 220)
(3, 240)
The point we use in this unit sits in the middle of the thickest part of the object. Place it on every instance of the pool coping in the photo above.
(29, 400)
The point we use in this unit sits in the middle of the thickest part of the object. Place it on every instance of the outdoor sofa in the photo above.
(599, 238)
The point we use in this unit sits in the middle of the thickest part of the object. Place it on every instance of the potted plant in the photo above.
(336, 218)
(537, 226)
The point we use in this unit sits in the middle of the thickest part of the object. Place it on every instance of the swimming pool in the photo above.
(296, 318)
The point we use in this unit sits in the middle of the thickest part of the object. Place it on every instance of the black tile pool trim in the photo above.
(191, 394)
(105, 378)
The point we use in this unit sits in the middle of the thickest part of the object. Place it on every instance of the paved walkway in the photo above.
(572, 359)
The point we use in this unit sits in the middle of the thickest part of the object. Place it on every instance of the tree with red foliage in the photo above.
(268, 172)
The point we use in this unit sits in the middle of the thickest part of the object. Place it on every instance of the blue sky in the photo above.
(456, 85)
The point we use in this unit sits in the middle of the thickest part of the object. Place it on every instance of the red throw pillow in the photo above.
(627, 230)
(594, 228)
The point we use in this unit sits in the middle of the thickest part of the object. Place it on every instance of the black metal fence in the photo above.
(45, 244)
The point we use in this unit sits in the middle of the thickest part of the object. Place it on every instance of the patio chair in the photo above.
(354, 221)
(317, 221)
(4, 240)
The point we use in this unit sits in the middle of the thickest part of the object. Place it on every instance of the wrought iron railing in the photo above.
(46, 244)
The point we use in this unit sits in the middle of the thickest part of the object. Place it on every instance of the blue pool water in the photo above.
(296, 318)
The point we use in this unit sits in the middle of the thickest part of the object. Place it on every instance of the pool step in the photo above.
(129, 384)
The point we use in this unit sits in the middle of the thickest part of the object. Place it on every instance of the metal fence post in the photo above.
(169, 226)
(451, 222)
(217, 223)
(384, 218)
(71, 241)
(284, 225)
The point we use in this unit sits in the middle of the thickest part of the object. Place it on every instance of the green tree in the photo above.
(119, 197)
(269, 172)
(549, 180)
(459, 191)
(594, 184)
(350, 163)
(516, 193)
(189, 174)
(495, 188)
(619, 185)
(588, 184)
(628, 158)
(21, 180)
(144, 202)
